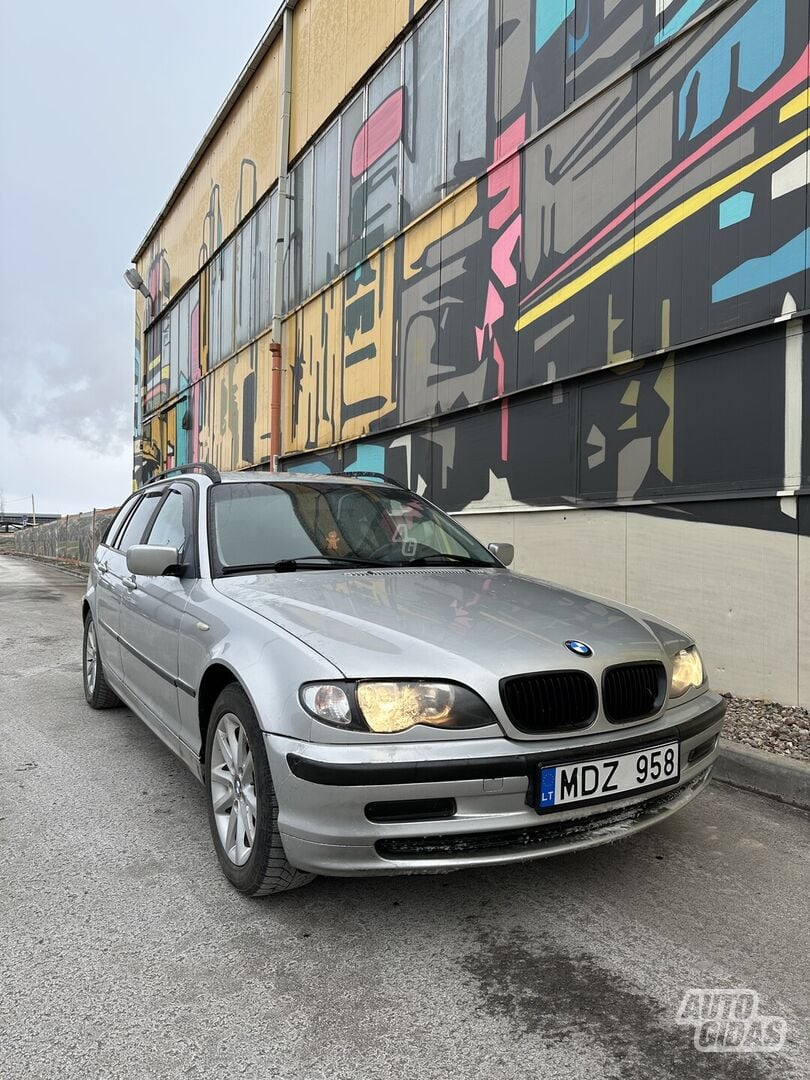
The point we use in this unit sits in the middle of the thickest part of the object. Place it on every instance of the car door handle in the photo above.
(129, 583)
(101, 567)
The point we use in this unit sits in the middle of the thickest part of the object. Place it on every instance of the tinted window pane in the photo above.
(169, 528)
(243, 255)
(183, 342)
(300, 267)
(165, 358)
(383, 134)
(215, 290)
(352, 189)
(424, 60)
(117, 522)
(174, 354)
(467, 90)
(194, 331)
(324, 258)
(134, 529)
(261, 270)
(226, 326)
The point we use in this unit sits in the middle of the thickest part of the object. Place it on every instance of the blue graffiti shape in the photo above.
(549, 15)
(369, 458)
(792, 258)
(575, 43)
(736, 208)
(319, 467)
(760, 36)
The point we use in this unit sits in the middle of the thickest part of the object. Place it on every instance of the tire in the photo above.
(255, 865)
(96, 688)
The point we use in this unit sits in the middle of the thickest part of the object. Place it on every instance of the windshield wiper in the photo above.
(438, 557)
(301, 562)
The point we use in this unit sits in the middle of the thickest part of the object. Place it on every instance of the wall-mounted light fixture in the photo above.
(135, 281)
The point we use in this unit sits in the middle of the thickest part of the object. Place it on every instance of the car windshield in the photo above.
(299, 525)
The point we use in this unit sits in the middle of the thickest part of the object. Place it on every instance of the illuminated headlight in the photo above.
(390, 707)
(687, 671)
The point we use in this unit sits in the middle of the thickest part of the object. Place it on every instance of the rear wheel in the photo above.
(96, 688)
(242, 805)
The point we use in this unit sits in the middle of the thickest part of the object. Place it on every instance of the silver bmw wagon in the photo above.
(363, 688)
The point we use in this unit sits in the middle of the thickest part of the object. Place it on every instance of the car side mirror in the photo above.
(150, 560)
(504, 552)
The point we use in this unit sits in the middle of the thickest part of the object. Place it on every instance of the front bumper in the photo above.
(324, 792)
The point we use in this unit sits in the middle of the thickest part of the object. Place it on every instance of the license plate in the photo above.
(605, 778)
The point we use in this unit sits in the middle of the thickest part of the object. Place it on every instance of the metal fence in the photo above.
(69, 541)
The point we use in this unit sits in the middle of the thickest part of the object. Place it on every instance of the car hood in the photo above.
(441, 623)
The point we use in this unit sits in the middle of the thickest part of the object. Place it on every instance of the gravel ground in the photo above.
(766, 725)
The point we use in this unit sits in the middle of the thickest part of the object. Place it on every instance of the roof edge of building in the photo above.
(247, 73)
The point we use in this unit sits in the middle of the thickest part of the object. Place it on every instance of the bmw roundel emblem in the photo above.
(579, 647)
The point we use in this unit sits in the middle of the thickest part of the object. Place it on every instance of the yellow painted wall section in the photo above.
(234, 412)
(237, 169)
(335, 43)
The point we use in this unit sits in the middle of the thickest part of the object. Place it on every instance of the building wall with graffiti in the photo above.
(547, 255)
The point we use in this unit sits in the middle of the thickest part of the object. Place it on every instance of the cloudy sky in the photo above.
(101, 106)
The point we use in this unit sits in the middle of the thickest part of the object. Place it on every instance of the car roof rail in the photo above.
(194, 466)
(374, 475)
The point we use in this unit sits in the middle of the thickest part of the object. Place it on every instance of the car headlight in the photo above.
(329, 702)
(687, 671)
(390, 707)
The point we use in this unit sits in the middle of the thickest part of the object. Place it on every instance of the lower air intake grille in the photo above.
(633, 691)
(550, 701)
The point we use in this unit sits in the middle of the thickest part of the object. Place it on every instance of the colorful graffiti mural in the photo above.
(568, 262)
(667, 209)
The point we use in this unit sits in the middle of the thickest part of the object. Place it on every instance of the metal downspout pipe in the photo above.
(281, 239)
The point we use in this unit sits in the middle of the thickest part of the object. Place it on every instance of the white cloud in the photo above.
(64, 475)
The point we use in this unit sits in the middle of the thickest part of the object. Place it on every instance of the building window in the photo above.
(243, 272)
(174, 349)
(352, 187)
(226, 318)
(466, 97)
(324, 241)
(183, 341)
(424, 79)
(380, 153)
(214, 294)
(262, 270)
(298, 277)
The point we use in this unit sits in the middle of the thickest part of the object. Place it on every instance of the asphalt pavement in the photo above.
(125, 953)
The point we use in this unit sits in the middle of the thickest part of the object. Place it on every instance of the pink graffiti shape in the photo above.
(502, 254)
(506, 178)
(797, 74)
(379, 133)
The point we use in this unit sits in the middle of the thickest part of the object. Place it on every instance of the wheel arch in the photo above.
(215, 678)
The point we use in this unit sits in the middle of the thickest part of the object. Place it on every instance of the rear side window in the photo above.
(118, 520)
(139, 519)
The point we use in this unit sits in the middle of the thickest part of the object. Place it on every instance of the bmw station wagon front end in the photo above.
(559, 760)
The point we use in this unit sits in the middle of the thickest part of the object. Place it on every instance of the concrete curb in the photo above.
(773, 775)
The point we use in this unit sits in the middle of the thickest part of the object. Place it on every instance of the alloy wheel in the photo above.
(233, 789)
(90, 658)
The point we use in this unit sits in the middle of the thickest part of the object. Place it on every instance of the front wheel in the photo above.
(242, 805)
(96, 688)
